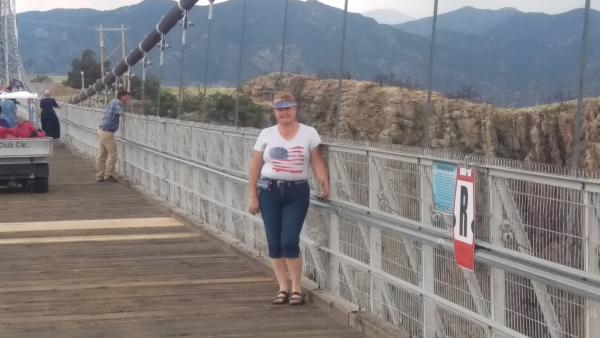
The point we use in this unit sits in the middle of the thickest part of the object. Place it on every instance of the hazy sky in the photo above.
(415, 8)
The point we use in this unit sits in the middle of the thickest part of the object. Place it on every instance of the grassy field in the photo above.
(58, 78)
(209, 90)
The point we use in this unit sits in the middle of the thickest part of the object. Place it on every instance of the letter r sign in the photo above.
(464, 219)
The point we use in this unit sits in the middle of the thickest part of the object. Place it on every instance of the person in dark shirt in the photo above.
(50, 123)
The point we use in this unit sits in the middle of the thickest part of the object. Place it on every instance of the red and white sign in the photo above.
(464, 219)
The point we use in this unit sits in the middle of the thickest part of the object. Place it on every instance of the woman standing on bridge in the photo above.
(279, 190)
(50, 123)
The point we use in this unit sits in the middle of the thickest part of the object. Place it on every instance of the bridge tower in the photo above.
(11, 67)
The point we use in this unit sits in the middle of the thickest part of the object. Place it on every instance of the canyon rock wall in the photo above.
(396, 115)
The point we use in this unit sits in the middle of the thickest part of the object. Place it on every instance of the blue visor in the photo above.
(284, 104)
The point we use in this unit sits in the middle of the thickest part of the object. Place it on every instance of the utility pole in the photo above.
(121, 29)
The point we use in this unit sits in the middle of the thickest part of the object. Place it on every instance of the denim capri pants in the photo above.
(283, 208)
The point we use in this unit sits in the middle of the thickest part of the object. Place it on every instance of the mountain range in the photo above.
(467, 20)
(388, 16)
(507, 57)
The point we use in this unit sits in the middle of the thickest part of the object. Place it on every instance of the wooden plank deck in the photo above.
(96, 260)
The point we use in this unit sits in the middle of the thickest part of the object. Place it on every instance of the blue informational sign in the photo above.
(444, 186)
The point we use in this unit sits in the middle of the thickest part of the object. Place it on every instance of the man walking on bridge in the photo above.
(107, 149)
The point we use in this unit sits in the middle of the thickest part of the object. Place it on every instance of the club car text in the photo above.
(14, 144)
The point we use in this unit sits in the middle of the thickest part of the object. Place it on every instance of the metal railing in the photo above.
(378, 243)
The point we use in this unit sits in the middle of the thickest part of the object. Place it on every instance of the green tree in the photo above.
(150, 92)
(168, 104)
(221, 110)
(192, 102)
(90, 67)
(252, 114)
(41, 79)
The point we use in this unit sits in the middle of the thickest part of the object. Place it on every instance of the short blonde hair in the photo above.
(284, 96)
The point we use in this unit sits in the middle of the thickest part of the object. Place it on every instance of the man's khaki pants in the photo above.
(107, 155)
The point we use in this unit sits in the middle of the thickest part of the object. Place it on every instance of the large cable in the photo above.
(147, 44)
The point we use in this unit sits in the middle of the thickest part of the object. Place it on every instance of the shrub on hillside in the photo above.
(219, 107)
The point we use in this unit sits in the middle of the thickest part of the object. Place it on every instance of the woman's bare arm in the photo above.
(320, 170)
(256, 163)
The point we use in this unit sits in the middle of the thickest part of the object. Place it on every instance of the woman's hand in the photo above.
(320, 170)
(324, 189)
(254, 205)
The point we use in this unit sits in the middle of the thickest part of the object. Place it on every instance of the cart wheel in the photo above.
(40, 185)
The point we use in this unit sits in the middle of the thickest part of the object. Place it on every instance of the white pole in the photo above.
(82, 81)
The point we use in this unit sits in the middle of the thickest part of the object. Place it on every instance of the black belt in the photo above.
(284, 182)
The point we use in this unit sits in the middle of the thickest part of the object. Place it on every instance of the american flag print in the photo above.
(287, 160)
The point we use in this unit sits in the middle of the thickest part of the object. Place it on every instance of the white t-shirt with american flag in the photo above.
(287, 160)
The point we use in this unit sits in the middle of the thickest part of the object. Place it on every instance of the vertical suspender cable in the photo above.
(341, 72)
(429, 108)
(182, 61)
(240, 64)
(208, 41)
(162, 47)
(144, 73)
(283, 45)
(123, 55)
(579, 112)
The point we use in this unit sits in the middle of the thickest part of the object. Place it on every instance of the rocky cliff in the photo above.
(395, 115)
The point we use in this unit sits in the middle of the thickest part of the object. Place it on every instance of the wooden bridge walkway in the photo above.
(97, 260)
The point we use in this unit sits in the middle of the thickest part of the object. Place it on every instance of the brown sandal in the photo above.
(297, 298)
(281, 298)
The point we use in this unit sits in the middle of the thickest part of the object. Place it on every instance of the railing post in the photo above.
(228, 194)
(228, 216)
(544, 299)
(375, 244)
(334, 233)
(334, 246)
(591, 228)
(498, 276)
(429, 307)
(124, 155)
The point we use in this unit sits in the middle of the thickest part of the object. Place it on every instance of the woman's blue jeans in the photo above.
(283, 209)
